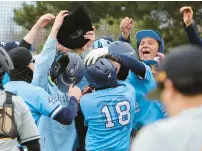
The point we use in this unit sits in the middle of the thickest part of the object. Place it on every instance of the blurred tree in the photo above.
(160, 15)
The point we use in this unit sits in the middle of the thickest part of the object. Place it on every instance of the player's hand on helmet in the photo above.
(59, 19)
(75, 91)
(44, 20)
(90, 35)
(187, 15)
(94, 54)
(126, 26)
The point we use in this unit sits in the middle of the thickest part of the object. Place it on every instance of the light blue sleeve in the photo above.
(46, 104)
(43, 64)
(148, 75)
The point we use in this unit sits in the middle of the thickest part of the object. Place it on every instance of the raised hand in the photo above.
(187, 15)
(90, 35)
(126, 26)
(44, 20)
(59, 19)
(75, 91)
(95, 54)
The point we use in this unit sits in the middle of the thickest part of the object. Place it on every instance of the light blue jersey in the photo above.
(147, 111)
(109, 115)
(38, 100)
(54, 136)
(142, 85)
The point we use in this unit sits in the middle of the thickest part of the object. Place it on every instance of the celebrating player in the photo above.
(108, 110)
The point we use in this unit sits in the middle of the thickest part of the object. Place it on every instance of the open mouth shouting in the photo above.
(145, 53)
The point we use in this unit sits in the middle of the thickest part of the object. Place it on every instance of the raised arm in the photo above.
(193, 36)
(125, 27)
(47, 55)
(31, 35)
(125, 60)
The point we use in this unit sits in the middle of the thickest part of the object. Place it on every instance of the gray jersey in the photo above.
(26, 127)
(179, 133)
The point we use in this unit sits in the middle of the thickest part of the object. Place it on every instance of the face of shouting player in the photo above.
(148, 48)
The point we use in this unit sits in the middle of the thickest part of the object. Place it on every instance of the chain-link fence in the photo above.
(10, 31)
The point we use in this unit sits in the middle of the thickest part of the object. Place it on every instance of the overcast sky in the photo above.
(6, 17)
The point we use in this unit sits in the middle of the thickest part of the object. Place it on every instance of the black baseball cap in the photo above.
(183, 62)
(74, 27)
(20, 56)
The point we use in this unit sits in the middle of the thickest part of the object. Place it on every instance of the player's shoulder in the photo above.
(88, 96)
(20, 103)
(36, 89)
(163, 127)
(88, 100)
(126, 86)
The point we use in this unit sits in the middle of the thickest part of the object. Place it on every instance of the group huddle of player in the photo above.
(92, 97)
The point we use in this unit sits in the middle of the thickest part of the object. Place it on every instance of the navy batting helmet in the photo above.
(125, 48)
(101, 75)
(68, 68)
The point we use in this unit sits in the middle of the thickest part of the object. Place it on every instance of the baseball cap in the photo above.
(150, 33)
(147, 33)
(11, 45)
(184, 61)
(74, 27)
(20, 56)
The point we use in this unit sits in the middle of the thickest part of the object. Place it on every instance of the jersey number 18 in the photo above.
(110, 124)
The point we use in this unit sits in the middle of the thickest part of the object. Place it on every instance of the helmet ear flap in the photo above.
(70, 71)
(6, 62)
(56, 66)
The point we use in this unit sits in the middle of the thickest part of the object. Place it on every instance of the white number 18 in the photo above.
(110, 124)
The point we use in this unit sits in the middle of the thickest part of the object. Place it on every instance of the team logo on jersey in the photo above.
(51, 100)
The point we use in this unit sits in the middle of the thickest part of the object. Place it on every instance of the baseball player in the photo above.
(149, 43)
(108, 110)
(53, 133)
(15, 117)
(183, 100)
(142, 80)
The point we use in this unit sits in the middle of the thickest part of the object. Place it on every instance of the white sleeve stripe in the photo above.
(141, 78)
(30, 139)
(56, 111)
